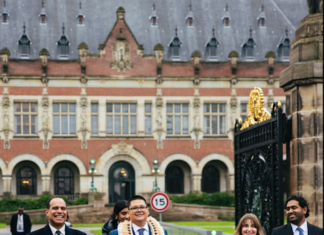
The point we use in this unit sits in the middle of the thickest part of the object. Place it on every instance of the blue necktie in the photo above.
(300, 231)
(141, 231)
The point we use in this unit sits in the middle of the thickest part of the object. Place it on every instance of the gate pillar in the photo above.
(303, 84)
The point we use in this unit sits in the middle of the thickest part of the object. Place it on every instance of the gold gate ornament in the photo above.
(256, 111)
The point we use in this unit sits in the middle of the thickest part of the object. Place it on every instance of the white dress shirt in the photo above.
(303, 227)
(62, 230)
(136, 228)
(20, 221)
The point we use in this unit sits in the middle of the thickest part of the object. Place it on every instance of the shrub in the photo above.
(80, 201)
(215, 199)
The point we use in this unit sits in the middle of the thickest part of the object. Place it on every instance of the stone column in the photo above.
(196, 183)
(303, 84)
(6, 183)
(46, 184)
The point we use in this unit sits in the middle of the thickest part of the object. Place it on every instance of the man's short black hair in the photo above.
(49, 201)
(302, 202)
(136, 197)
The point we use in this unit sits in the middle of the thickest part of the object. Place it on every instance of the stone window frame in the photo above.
(69, 115)
(210, 114)
(243, 110)
(148, 114)
(24, 46)
(173, 114)
(28, 113)
(94, 114)
(63, 44)
(113, 114)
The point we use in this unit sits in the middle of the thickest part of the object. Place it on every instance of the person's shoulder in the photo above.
(114, 232)
(75, 231)
(314, 228)
(37, 232)
(280, 228)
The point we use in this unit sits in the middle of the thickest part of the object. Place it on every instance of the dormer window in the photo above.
(80, 16)
(211, 47)
(63, 45)
(247, 48)
(175, 47)
(24, 44)
(43, 19)
(153, 18)
(284, 48)
(43, 14)
(4, 18)
(226, 17)
(261, 18)
(190, 18)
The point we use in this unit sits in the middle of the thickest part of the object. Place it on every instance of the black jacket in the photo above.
(14, 221)
(287, 230)
(47, 231)
(109, 226)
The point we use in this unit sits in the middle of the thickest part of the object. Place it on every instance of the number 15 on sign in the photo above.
(160, 202)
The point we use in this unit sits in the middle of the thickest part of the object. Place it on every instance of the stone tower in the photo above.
(303, 84)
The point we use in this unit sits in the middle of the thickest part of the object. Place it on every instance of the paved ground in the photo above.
(6, 230)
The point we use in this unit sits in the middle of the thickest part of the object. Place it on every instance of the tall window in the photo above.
(94, 118)
(249, 48)
(210, 179)
(63, 44)
(153, 20)
(148, 118)
(24, 44)
(214, 118)
(174, 180)
(80, 19)
(64, 118)
(64, 181)
(4, 17)
(43, 18)
(262, 22)
(121, 118)
(178, 119)
(243, 111)
(190, 21)
(26, 181)
(25, 118)
(175, 47)
(226, 21)
(284, 49)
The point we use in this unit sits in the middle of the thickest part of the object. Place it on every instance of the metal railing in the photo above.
(173, 229)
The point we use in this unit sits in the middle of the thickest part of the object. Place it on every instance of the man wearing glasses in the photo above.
(56, 212)
(140, 223)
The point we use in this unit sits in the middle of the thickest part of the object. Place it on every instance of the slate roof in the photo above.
(100, 16)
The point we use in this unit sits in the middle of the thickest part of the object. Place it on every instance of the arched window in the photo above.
(26, 181)
(63, 44)
(249, 48)
(24, 44)
(175, 47)
(174, 181)
(121, 182)
(64, 181)
(210, 179)
(284, 49)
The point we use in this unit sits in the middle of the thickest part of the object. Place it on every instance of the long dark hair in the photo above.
(119, 206)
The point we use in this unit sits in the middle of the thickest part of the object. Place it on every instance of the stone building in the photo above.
(125, 83)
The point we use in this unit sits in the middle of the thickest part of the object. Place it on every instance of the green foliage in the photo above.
(270, 54)
(233, 54)
(44, 52)
(230, 230)
(226, 216)
(83, 45)
(7, 205)
(99, 231)
(158, 47)
(2, 225)
(5, 51)
(215, 199)
(196, 54)
(80, 201)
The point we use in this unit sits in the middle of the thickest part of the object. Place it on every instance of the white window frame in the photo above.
(68, 114)
(93, 114)
(216, 114)
(173, 114)
(29, 113)
(244, 104)
(146, 114)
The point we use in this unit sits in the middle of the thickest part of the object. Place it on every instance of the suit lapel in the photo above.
(289, 229)
(47, 230)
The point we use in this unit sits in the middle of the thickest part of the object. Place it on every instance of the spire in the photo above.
(262, 7)
(286, 32)
(63, 28)
(4, 3)
(80, 5)
(226, 7)
(153, 6)
(24, 28)
(190, 7)
(42, 3)
(250, 31)
(176, 31)
(213, 31)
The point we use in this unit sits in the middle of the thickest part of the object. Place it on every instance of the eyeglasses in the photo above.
(141, 208)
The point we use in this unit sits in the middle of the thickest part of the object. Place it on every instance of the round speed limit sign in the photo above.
(160, 201)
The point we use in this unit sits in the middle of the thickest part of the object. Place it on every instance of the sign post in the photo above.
(160, 202)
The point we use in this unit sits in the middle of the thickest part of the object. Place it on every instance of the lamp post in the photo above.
(155, 170)
(92, 170)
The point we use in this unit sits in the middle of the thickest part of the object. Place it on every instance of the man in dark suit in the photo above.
(297, 211)
(139, 222)
(56, 212)
(20, 223)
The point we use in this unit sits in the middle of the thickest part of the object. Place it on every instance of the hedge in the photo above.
(215, 199)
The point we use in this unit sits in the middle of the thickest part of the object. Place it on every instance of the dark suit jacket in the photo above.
(47, 231)
(14, 221)
(287, 230)
(115, 232)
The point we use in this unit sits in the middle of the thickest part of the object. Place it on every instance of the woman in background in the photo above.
(119, 215)
(249, 224)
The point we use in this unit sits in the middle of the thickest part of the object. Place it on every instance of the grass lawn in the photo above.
(96, 231)
(2, 225)
(88, 225)
(229, 230)
(203, 223)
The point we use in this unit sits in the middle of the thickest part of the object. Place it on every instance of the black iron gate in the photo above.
(258, 170)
